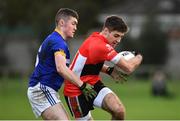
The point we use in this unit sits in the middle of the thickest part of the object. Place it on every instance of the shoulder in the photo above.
(55, 40)
(96, 43)
(56, 43)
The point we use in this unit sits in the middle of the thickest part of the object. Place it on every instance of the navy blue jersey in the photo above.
(45, 70)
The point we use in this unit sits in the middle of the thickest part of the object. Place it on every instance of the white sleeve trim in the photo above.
(116, 59)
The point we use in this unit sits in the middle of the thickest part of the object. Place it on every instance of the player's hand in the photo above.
(117, 75)
(88, 91)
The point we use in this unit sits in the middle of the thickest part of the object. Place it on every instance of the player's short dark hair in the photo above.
(65, 13)
(115, 23)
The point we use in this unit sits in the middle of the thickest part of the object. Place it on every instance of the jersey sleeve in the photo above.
(111, 54)
(105, 52)
(58, 47)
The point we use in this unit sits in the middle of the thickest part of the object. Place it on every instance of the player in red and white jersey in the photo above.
(89, 62)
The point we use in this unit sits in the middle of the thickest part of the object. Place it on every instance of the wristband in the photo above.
(109, 70)
(83, 86)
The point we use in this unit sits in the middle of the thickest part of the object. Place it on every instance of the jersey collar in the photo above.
(59, 32)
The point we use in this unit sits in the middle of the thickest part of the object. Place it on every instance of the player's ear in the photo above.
(106, 31)
(61, 22)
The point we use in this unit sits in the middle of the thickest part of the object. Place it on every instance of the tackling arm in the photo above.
(65, 72)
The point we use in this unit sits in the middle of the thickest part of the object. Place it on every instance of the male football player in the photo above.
(89, 62)
(52, 68)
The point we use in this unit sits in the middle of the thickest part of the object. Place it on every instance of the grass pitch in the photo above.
(135, 94)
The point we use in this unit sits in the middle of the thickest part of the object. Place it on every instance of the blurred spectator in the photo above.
(159, 87)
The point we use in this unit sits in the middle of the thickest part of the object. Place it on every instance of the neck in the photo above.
(60, 32)
(103, 34)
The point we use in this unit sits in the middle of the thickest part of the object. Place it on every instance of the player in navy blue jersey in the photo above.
(51, 69)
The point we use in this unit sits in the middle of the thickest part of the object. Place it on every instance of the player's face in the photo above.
(114, 38)
(69, 27)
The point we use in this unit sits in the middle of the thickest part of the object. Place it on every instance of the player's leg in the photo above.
(112, 104)
(45, 102)
(79, 107)
(108, 101)
(85, 118)
(55, 112)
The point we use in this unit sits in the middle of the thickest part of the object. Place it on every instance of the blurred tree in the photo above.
(127, 43)
(14, 12)
(153, 42)
(39, 14)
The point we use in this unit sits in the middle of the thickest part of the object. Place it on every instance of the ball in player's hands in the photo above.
(127, 55)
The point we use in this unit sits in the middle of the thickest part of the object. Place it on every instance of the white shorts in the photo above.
(99, 99)
(97, 102)
(42, 97)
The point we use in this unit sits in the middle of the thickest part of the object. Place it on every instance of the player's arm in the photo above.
(67, 74)
(64, 71)
(115, 74)
(107, 69)
(128, 66)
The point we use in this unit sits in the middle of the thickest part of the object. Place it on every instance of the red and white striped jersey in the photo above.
(89, 60)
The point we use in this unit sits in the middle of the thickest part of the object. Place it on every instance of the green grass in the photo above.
(135, 95)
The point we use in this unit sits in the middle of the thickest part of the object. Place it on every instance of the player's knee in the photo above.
(51, 116)
(47, 117)
(119, 112)
(55, 117)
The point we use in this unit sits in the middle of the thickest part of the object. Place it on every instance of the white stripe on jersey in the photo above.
(79, 64)
(116, 59)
